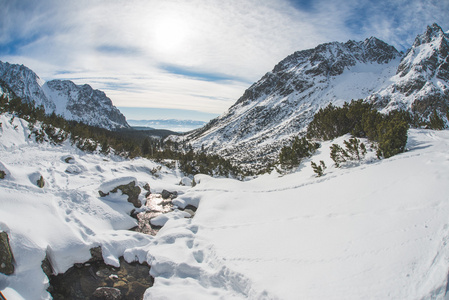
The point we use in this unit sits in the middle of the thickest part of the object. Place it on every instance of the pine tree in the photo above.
(318, 169)
(436, 122)
(146, 147)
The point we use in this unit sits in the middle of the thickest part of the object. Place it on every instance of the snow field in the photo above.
(66, 217)
(369, 230)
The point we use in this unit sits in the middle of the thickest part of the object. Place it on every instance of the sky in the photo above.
(191, 59)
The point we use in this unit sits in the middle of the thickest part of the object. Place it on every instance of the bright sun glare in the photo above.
(171, 32)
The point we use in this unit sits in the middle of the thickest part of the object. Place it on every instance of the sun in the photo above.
(171, 32)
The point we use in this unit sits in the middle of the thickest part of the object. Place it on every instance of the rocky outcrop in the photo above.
(6, 256)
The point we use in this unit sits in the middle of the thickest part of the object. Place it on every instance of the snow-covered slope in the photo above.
(73, 102)
(282, 103)
(374, 230)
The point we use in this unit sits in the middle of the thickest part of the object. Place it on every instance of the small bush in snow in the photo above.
(318, 169)
(354, 151)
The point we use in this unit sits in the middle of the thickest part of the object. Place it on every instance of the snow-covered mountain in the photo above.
(282, 103)
(74, 102)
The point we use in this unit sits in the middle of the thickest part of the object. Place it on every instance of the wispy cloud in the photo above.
(195, 54)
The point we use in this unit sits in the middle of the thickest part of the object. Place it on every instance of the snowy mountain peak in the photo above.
(74, 102)
(432, 33)
(422, 84)
(429, 53)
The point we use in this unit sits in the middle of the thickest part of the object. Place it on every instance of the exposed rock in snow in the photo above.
(6, 255)
(127, 185)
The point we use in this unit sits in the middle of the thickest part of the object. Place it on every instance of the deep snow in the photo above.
(374, 230)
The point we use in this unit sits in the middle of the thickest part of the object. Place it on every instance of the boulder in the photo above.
(6, 256)
(186, 181)
(169, 195)
(132, 191)
(68, 159)
(147, 188)
(107, 293)
(4, 172)
(128, 187)
(73, 169)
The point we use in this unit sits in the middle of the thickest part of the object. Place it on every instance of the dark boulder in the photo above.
(169, 195)
(6, 256)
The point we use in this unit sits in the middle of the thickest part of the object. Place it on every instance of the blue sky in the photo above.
(191, 58)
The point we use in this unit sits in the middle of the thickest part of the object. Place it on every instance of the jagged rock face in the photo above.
(422, 81)
(82, 103)
(283, 102)
(25, 84)
(74, 102)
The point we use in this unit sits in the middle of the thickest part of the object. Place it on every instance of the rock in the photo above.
(169, 195)
(6, 256)
(73, 169)
(165, 194)
(186, 181)
(96, 254)
(40, 182)
(120, 284)
(4, 172)
(68, 159)
(189, 211)
(191, 207)
(147, 188)
(107, 293)
(130, 189)
(47, 267)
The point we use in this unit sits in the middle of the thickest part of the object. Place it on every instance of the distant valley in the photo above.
(168, 124)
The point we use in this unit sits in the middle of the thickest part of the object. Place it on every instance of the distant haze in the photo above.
(170, 124)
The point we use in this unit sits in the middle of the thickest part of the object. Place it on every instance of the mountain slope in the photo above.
(282, 103)
(74, 102)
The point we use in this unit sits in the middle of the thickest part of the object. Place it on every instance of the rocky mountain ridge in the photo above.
(73, 102)
(281, 104)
